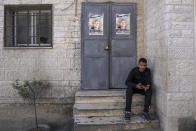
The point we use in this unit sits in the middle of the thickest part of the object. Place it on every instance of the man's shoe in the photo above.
(147, 116)
(127, 115)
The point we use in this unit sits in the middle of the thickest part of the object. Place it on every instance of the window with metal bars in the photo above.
(28, 26)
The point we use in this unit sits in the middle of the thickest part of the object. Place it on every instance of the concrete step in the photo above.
(100, 93)
(106, 109)
(114, 124)
(137, 98)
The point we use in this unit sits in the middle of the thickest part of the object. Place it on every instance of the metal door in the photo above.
(108, 52)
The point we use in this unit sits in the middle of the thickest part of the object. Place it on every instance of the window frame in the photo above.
(32, 7)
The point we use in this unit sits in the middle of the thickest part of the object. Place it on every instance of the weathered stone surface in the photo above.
(100, 93)
(19, 117)
(105, 112)
(186, 124)
(179, 108)
(180, 83)
(181, 53)
(114, 124)
(176, 84)
(179, 96)
(31, 2)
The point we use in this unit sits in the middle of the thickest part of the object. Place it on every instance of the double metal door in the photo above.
(108, 44)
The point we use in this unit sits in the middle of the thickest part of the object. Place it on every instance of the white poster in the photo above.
(122, 23)
(95, 24)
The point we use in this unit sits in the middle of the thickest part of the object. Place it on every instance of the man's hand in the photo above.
(139, 86)
(146, 87)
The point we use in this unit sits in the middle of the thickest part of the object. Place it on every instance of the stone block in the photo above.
(8, 91)
(50, 1)
(75, 83)
(70, 91)
(180, 42)
(59, 34)
(69, 53)
(180, 83)
(71, 75)
(31, 2)
(2, 63)
(181, 25)
(181, 53)
(12, 74)
(174, 33)
(179, 9)
(76, 63)
(171, 124)
(50, 63)
(23, 53)
(19, 63)
(58, 92)
(173, 1)
(59, 41)
(179, 108)
(181, 67)
(179, 97)
(184, 8)
(66, 83)
(187, 33)
(2, 15)
(53, 74)
(2, 74)
(179, 17)
(45, 54)
(187, 2)
(77, 53)
(6, 2)
(64, 63)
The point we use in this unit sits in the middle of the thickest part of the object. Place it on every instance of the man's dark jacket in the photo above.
(135, 77)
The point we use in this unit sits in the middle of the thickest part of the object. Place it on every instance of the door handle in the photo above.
(107, 48)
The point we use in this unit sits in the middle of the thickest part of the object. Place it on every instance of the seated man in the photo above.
(139, 81)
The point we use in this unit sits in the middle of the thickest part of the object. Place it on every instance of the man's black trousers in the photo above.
(129, 93)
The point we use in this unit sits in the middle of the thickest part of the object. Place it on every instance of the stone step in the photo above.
(106, 109)
(102, 113)
(90, 99)
(108, 105)
(100, 93)
(137, 98)
(114, 124)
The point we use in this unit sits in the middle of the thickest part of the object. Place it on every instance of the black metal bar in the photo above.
(76, 8)
(15, 27)
(51, 27)
(36, 23)
(28, 22)
(39, 26)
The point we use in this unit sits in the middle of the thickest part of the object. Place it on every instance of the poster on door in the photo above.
(95, 24)
(123, 24)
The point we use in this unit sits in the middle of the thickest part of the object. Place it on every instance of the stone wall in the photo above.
(157, 53)
(194, 89)
(179, 18)
(60, 65)
(173, 59)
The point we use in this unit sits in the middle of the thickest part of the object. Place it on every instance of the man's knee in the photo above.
(149, 91)
(129, 89)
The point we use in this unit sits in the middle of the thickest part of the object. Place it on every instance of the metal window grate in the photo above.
(28, 26)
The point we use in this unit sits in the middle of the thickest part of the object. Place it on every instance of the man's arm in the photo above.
(129, 81)
(149, 78)
(148, 81)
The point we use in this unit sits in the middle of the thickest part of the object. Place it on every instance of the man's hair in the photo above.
(143, 60)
